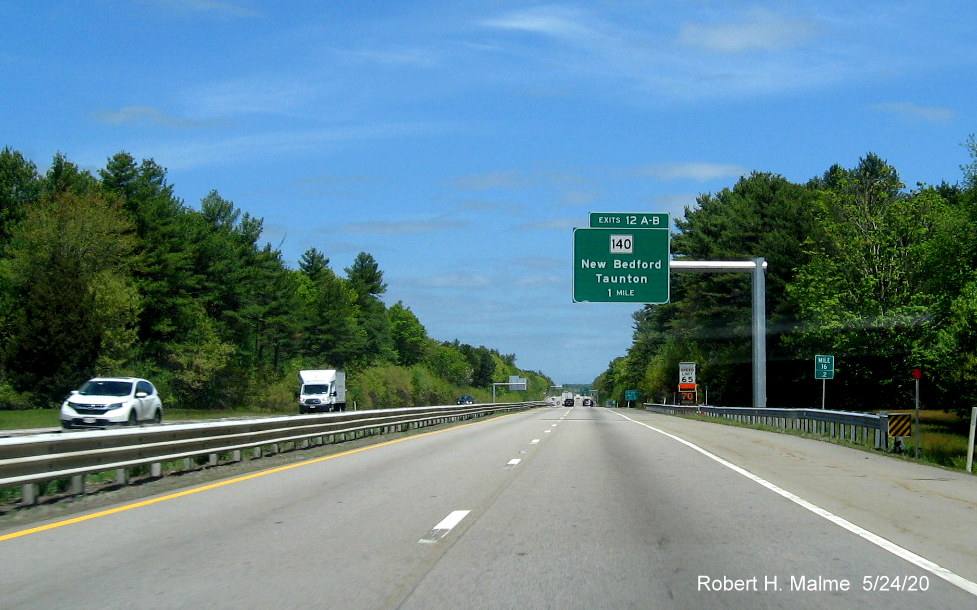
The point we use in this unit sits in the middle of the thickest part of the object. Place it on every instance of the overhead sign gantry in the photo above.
(625, 258)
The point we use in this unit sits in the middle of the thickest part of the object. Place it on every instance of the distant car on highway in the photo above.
(107, 401)
(588, 402)
(567, 402)
(466, 399)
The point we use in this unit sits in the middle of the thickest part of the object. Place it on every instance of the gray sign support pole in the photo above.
(759, 333)
(757, 267)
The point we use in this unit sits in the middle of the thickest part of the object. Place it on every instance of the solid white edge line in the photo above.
(888, 545)
(447, 524)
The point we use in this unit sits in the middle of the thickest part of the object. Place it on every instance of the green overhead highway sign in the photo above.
(621, 265)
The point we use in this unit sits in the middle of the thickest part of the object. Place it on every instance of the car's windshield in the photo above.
(106, 388)
(316, 388)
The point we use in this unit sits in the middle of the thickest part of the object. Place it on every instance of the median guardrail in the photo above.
(29, 461)
(861, 428)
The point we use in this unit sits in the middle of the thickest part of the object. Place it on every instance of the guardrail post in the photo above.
(30, 492)
(78, 485)
(156, 470)
(122, 476)
(882, 432)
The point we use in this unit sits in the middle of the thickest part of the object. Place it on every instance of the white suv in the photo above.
(105, 401)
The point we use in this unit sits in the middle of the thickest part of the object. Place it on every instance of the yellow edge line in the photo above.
(247, 477)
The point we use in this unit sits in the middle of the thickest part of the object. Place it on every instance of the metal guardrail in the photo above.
(861, 428)
(29, 461)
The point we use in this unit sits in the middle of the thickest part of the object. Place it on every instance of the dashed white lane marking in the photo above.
(879, 541)
(534, 441)
(546, 431)
(447, 524)
(513, 462)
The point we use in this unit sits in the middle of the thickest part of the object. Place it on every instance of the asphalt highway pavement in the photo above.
(551, 508)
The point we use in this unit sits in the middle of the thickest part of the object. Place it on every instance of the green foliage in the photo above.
(449, 363)
(865, 292)
(113, 275)
(880, 277)
(196, 363)
(408, 334)
(389, 386)
(365, 276)
(482, 361)
(67, 259)
(19, 186)
(970, 169)
(366, 280)
(381, 387)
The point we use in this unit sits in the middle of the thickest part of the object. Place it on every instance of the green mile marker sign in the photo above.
(824, 367)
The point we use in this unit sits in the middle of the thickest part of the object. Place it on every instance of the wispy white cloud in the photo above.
(454, 280)
(553, 224)
(572, 184)
(406, 227)
(912, 111)
(760, 30)
(256, 94)
(578, 197)
(537, 281)
(331, 179)
(739, 52)
(219, 7)
(410, 57)
(148, 115)
(698, 171)
(540, 262)
(188, 154)
(481, 205)
(550, 20)
(491, 180)
(675, 200)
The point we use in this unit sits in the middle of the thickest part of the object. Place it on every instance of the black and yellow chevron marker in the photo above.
(900, 424)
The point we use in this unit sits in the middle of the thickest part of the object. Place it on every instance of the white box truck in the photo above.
(322, 390)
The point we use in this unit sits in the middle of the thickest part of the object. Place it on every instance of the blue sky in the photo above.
(460, 142)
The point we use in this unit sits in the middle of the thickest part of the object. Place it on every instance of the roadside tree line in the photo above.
(860, 267)
(112, 274)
